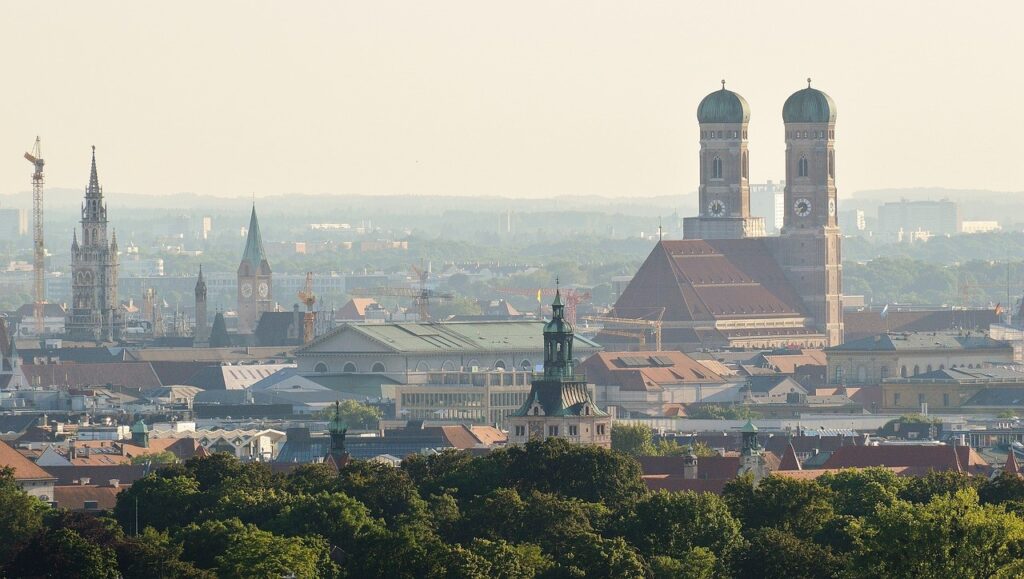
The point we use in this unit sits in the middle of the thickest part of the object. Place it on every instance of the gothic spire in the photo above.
(254, 253)
(94, 189)
(74, 239)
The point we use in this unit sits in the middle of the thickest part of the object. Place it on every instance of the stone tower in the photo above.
(752, 457)
(724, 171)
(94, 313)
(559, 404)
(255, 284)
(809, 247)
(201, 336)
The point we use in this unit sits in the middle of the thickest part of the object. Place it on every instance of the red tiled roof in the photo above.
(788, 363)
(489, 435)
(459, 436)
(927, 457)
(1011, 462)
(73, 497)
(680, 484)
(789, 459)
(707, 280)
(646, 371)
(24, 469)
(127, 374)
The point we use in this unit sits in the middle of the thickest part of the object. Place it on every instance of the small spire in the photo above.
(723, 84)
(94, 180)
(808, 82)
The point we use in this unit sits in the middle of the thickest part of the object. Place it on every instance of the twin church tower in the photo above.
(808, 249)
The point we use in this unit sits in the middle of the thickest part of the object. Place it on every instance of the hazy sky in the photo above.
(496, 98)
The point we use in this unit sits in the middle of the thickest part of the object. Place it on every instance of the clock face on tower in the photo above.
(716, 208)
(802, 207)
(264, 289)
(246, 290)
(831, 207)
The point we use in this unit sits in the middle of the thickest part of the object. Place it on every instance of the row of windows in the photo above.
(920, 399)
(434, 399)
(810, 134)
(378, 367)
(574, 430)
(716, 167)
(722, 134)
(905, 372)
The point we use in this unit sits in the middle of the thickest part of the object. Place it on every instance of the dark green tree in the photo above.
(21, 516)
(256, 553)
(63, 553)
(776, 554)
(633, 439)
(672, 524)
(156, 502)
(798, 506)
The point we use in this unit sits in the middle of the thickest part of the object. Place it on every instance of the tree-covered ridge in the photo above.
(547, 509)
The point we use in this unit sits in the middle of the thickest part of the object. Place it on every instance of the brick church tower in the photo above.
(808, 249)
(724, 171)
(255, 280)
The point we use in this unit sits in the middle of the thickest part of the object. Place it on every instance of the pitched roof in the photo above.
(922, 456)
(709, 280)
(126, 473)
(219, 355)
(646, 371)
(427, 338)
(788, 363)
(354, 309)
(273, 328)
(74, 497)
(918, 341)
(127, 374)
(866, 323)
(789, 459)
(766, 384)
(49, 311)
(24, 469)
(1011, 465)
(560, 398)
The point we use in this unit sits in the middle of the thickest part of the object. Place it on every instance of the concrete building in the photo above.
(934, 217)
(734, 289)
(875, 359)
(486, 397)
(13, 224)
(981, 390)
(768, 201)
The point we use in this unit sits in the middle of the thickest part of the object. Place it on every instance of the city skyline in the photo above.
(473, 99)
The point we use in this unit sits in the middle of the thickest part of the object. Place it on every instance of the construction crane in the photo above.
(307, 297)
(38, 250)
(422, 296)
(652, 325)
(570, 297)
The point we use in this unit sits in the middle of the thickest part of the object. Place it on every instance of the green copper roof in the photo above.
(723, 106)
(749, 427)
(140, 427)
(560, 398)
(809, 105)
(254, 253)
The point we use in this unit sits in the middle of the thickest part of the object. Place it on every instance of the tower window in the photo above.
(832, 164)
(802, 167)
(716, 168)
(746, 165)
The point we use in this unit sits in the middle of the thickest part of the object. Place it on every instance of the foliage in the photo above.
(159, 458)
(776, 553)
(355, 414)
(21, 516)
(633, 439)
(255, 553)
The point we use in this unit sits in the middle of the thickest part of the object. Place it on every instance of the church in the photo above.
(255, 280)
(95, 312)
(727, 284)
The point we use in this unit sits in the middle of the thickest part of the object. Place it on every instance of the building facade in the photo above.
(94, 312)
(255, 280)
(560, 404)
(485, 397)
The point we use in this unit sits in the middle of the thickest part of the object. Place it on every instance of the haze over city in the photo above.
(484, 98)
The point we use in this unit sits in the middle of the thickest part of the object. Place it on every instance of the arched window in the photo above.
(378, 367)
(929, 368)
(716, 168)
(903, 372)
(422, 366)
(448, 365)
(802, 167)
(917, 370)
(526, 365)
(320, 368)
(499, 365)
(349, 367)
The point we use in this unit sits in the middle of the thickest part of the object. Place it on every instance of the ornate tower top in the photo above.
(558, 339)
(94, 189)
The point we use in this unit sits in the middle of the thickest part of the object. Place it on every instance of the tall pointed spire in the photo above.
(254, 253)
(94, 180)
(74, 239)
(1011, 465)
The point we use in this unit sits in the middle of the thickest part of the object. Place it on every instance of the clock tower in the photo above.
(724, 171)
(809, 247)
(255, 283)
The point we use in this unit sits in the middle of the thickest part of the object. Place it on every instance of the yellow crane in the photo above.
(421, 296)
(38, 250)
(307, 297)
(653, 325)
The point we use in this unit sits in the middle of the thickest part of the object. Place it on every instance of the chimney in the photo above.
(84, 480)
(115, 482)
